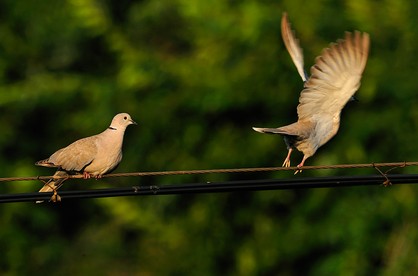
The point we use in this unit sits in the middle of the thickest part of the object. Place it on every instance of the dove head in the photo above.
(121, 121)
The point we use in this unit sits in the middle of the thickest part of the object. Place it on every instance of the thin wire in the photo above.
(217, 187)
(212, 171)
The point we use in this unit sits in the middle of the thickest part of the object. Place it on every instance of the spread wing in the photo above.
(335, 77)
(293, 47)
(77, 155)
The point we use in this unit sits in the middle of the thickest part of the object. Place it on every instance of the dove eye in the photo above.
(125, 118)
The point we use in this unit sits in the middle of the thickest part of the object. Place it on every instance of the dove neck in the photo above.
(113, 135)
(120, 130)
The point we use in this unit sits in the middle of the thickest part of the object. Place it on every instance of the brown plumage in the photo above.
(334, 79)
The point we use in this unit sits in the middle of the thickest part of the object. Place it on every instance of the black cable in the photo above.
(218, 187)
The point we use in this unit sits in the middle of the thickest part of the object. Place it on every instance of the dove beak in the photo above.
(133, 122)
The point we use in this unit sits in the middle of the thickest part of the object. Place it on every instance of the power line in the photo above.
(218, 187)
(393, 165)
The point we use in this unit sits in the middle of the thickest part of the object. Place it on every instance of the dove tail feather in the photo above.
(53, 184)
(46, 163)
(269, 130)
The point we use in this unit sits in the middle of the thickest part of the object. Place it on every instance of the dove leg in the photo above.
(86, 175)
(286, 162)
(301, 165)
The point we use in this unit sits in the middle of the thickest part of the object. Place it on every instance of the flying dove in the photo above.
(94, 156)
(334, 79)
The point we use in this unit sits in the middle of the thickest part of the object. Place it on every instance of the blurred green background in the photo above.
(196, 76)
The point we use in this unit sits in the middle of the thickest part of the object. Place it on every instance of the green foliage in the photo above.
(196, 75)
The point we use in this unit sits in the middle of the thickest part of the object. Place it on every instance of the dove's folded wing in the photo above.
(77, 155)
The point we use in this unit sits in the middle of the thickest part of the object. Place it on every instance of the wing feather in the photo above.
(335, 77)
(293, 47)
(77, 155)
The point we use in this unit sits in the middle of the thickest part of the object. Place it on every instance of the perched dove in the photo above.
(334, 79)
(93, 156)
